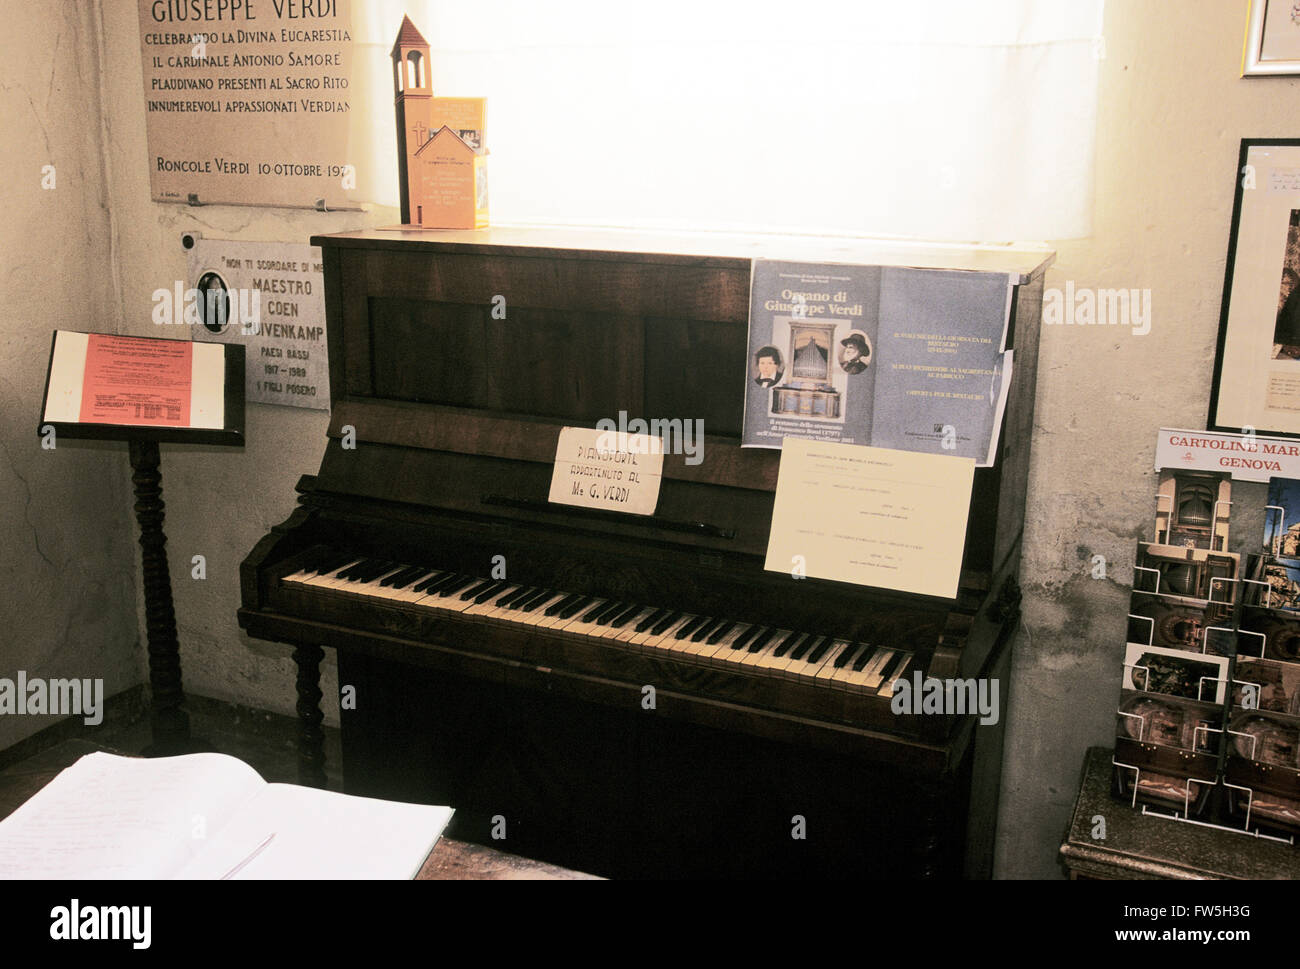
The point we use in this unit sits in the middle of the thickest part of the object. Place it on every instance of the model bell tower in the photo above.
(413, 97)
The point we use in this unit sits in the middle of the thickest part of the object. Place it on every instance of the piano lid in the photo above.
(1024, 262)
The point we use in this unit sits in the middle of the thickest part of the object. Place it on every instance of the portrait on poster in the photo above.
(1257, 366)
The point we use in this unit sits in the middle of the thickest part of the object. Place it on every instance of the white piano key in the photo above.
(452, 603)
(409, 594)
(576, 626)
(373, 588)
(628, 632)
(857, 680)
(767, 660)
(778, 665)
(753, 659)
(703, 649)
(887, 687)
(536, 616)
(870, 677)
(642, 639)
(843, 676)
(671, 644)
(326, 581)
(666, 641)
(489, 609)
(512, 612)
(723, 655)
(807, 671)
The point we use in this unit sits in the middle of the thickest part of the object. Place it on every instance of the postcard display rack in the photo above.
(1208, 726)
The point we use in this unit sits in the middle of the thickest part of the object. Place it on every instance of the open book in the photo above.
(208, 816)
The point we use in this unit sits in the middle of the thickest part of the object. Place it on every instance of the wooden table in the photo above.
(1143, 846)
(450, 859)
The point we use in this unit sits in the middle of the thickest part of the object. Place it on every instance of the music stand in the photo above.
(148, 391)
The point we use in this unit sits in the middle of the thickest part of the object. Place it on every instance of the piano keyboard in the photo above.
(807, 657)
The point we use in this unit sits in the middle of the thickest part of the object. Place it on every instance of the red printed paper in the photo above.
(129, 380)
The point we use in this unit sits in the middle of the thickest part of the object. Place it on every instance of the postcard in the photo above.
(1175, 672)
(1282, 520)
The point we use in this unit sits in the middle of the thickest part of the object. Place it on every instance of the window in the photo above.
(941, 119)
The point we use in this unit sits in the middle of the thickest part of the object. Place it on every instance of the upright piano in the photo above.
(626, 695)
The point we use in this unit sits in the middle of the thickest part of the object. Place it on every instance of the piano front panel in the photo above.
(537, 362)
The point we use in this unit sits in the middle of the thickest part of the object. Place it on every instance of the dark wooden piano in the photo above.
(520, 699)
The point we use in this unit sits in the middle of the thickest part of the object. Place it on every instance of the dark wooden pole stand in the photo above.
(171, 724)
(118, 394)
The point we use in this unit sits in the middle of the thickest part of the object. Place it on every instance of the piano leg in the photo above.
(311, 738)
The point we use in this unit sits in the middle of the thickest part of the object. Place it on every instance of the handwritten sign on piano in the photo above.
(607, 470)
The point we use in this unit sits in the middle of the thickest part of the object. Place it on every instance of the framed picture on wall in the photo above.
(1257, 361)
(1272, 38)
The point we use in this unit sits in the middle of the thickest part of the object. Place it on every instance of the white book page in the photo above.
(124, 817)
(316, 834)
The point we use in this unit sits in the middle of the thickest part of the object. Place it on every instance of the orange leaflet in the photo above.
(131, 380)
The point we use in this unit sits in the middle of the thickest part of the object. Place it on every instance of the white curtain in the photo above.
(933, 119)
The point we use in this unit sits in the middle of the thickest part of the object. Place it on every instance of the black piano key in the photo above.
(555, 608)
(402, 581)
(887, 671)
(818, 652)
(715, 637)
(341, 570)
(610, 610)
(842, 660)
(512, 599)
(355, 567)
(525, 603)
(594, 611)
(491, 593)
(451, 588)
(504, 593)
(535, 600)
(404, 576)
(758, 642)
(863, 658)
(624, 617)
(665, 623)
(650, 620)
(746, 636)
(434, 584)
(801, 648)
(433, 578)
(582, 602)
(690, 627)
(375, 571)
(701, 632)
(475, 588)
(786, 644)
